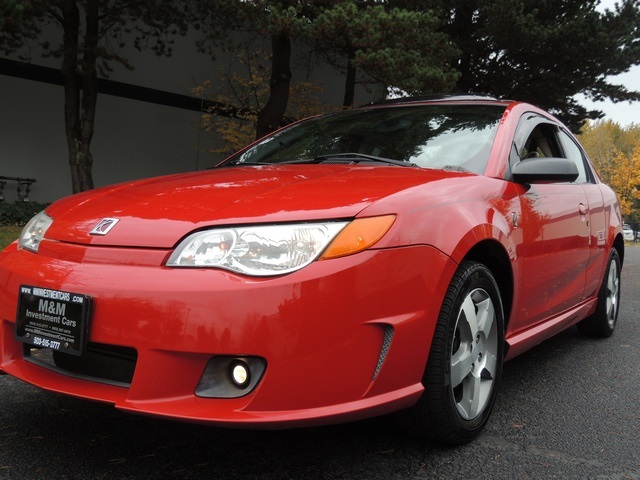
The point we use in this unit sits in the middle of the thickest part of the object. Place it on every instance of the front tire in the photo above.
(465, 361)
(603, 321)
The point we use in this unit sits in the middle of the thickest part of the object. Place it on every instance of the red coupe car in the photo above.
(384, 259)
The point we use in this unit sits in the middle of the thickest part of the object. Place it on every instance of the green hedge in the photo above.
(19, 213)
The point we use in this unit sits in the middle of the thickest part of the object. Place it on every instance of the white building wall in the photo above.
(133, 139)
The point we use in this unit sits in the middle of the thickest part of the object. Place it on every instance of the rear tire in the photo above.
(603, 321)
(465, 361)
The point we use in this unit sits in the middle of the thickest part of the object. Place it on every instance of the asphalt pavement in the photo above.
(568, 409)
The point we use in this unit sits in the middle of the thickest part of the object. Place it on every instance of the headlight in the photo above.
(33, 232)
(256, 250)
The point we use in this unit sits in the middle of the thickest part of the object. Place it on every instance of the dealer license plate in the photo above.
(53, 319)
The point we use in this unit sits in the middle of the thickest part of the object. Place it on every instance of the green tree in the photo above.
(403, 48)
(395, 47)
(88, 38)
(545, 52)
(542, 51)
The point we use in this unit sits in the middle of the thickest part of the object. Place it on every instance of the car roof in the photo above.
(461, 98)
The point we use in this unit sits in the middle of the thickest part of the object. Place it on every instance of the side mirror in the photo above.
(544, 170)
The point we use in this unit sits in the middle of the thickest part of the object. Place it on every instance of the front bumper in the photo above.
(323, 331)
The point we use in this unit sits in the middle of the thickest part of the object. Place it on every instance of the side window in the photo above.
(541, 142)
(537, 137)
(533, 138)
(573, 152)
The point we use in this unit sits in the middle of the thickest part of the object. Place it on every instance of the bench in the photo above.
(23, 183)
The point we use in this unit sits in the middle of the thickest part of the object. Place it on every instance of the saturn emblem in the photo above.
(104, 226)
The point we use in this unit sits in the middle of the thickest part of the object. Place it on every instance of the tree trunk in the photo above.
(349, 84)
(80, 90)
(350, 78)
(272, 114)
(462, 31)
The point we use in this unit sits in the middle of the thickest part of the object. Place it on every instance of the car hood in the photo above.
(158, 212)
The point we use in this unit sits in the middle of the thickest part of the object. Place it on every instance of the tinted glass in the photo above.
(429, 136)
(573, 152)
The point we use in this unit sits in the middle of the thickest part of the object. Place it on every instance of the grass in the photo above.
(8, 235)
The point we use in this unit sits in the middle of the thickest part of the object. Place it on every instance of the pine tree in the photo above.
(401, 48)
(544, 51)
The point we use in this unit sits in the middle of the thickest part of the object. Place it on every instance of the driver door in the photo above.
(554, 220)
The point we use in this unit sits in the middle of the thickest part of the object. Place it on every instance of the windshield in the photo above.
(427, 136)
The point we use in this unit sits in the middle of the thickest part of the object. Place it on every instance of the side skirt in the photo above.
(522, 341)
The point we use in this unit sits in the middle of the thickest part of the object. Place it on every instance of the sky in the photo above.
(624, 113)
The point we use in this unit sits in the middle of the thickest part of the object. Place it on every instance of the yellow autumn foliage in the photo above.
(615, 152)
(625, 179)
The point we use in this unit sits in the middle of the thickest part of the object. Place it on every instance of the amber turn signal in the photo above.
(359, 235)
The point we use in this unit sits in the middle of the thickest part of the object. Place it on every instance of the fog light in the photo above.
(230, 377)
(240, 374)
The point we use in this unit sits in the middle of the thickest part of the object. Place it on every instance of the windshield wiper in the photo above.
(244, 164)
(343, 158)
(360, 157)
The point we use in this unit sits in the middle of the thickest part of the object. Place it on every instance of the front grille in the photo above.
(99, 363)
(384, 350)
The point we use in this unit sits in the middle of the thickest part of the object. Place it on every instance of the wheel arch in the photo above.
(492, 254)
(618, 244)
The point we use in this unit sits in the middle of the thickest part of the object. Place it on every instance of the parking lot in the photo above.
(568, 409)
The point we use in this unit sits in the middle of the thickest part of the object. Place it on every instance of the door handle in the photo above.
(582, 209)
(583, 212)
